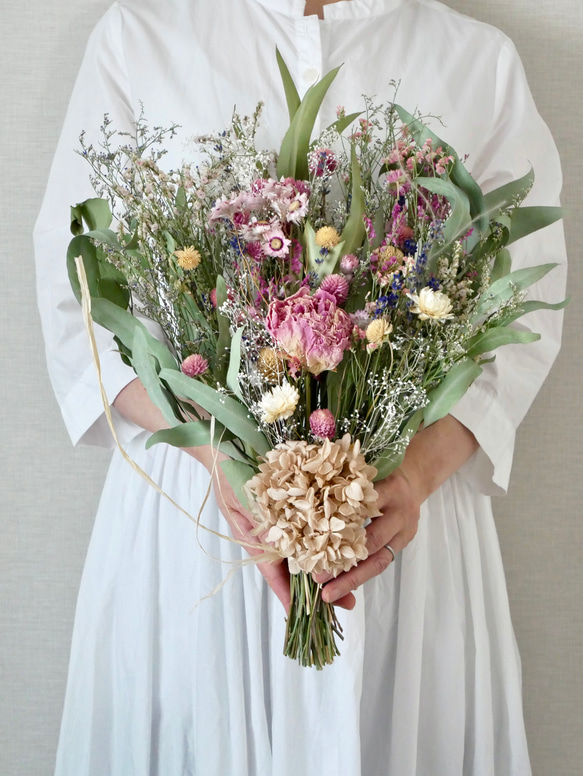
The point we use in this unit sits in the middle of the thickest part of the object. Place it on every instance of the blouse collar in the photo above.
(344, 9)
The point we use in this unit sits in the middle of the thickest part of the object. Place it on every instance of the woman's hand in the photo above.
(433, 455)
(399, 502)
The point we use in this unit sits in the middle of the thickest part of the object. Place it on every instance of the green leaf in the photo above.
(107, 237)
(386, 464)
(504, 288)
(526, 220)
(341, 124)
(532, 306)
(235, 363)
(123, 324)
(354, 231)
(95, 212)
(180, 201)
(505, 196)
(238, 475)
(291, 93)
(82, 246)
(144, 364)
(227, 410)
(496, 337)
(293, 156)
(459, 220)
(195, 433)
(502, 265)
(450, 390)
(224, 338)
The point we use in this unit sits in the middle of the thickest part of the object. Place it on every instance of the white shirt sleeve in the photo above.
(496, 403)
(102, 87)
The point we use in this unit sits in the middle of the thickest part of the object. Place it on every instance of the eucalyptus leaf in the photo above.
(459, 220)
(526, 220)
(143, 361)
(224, 339)
(123, 324)
(533, 305)
(238, 475)
(497, 337)
(227, 410)
(454, 385)
(505, 196)
(386, 464)
(504, 288)
(105, 236)
(94, 212)
(235, 363)
(502, 265)
(84, 247)
(196, 433)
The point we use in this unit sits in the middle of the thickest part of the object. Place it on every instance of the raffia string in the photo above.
(268, 554)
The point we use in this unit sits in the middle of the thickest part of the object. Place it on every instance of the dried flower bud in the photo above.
(194, 365)
(323, 424)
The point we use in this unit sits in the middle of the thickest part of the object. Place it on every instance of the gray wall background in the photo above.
(49, 491)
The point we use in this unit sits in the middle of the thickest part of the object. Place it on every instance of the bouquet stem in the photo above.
(311, 624)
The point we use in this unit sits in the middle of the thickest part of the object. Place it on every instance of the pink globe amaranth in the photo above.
(194, 365)
(338, 286)
(323, 424)
(311, 329)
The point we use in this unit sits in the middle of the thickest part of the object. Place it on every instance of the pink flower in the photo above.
(194, 365)
(275, 243)
(322, 161)
(213, 296)
(337, 285)
(311, 329)
(323, 424)
(348, 263)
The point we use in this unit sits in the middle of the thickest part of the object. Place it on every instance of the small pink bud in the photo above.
(214, 298)
(348, 263)
(194, 365)
(323, 424)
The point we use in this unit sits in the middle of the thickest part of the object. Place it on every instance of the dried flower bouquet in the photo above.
(320, 303)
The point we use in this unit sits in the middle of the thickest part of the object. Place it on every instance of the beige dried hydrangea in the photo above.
(312, 500)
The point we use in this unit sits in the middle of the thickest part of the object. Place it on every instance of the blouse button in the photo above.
(310, 75)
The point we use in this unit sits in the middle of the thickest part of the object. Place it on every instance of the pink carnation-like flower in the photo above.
(310, 328)
(323, 424)
(194, 365)
(337, 285)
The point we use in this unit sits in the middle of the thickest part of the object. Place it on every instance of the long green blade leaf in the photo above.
(505, 287)
(143, 364)
(526, 220)
(227, 410)
(446, 395)
(235, 363)
(505, 196)
(496, 338)
(291, 93)
(238, 475)
(354, 231)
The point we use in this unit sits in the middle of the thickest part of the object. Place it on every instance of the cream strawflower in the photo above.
(279, 403)
(431, 305)
(188, 258)
(327, 237)
(378, 330)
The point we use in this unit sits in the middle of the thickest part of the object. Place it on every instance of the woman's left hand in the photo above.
(399, 502)
(433, 455)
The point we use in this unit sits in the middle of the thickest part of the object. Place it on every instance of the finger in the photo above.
(374, 565)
